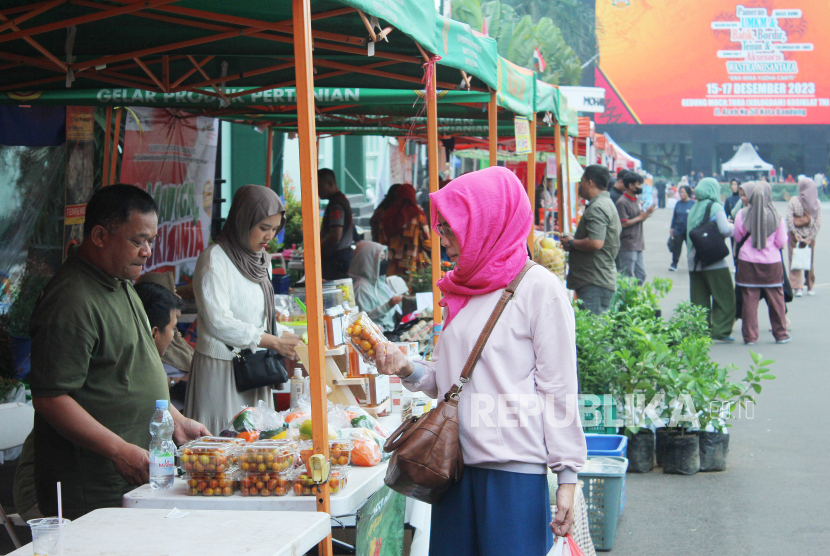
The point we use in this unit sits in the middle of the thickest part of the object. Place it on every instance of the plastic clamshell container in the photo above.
(207, 484)
(607, 445)
(210, 457)
(271, 456)
(364, 336)
(604, 490)
(338, 480)
(303, 485)
(332, 296)
(340, 452)
(266, 484)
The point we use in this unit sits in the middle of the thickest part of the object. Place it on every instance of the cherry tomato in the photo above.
(344, 460)
(208, 492)
(227, 491)
(365, 345)
(357, 330)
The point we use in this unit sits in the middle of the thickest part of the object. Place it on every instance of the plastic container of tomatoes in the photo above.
(208, 457)
(271, 456)
(364, 335)
(305, 486)
(267, 484)
(238, 442)
(340, 452)
(211, 484)
(338, 479)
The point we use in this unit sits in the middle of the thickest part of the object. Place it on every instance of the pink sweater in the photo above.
(775, 242)
(519, 386)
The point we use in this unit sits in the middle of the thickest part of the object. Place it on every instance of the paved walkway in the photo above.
(773, 498)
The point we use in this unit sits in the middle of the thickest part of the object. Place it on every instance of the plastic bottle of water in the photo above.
(162, 448)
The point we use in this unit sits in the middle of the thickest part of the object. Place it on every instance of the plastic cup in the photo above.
(46, 534)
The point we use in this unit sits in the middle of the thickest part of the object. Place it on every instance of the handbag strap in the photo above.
(506, 296)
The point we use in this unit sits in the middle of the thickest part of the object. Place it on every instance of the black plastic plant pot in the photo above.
(641, 452)
(713, 449)
(682, 455)
(660, 445)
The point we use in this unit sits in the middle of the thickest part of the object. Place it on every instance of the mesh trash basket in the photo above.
(604, 490)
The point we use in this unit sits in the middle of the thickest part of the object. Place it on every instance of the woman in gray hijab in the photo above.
(235, 302)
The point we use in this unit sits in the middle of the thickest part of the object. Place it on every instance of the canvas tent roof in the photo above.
(621, 158)
(746, 160)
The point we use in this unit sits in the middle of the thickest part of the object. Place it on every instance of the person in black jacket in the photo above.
(677, 232)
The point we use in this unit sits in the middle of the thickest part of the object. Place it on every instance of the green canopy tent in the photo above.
(218, 55)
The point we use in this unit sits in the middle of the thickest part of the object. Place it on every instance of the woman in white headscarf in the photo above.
(371, 292)
(760, 234)
(803, 224)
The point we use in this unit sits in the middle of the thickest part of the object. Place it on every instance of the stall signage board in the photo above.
(80, 156)
(380, 524)
(522, 126)
(173, 159)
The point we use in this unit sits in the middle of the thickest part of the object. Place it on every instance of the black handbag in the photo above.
(710, 246)
(258, 369)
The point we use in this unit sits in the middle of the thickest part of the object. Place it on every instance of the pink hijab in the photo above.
(490, 214)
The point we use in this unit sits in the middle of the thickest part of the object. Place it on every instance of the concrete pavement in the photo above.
(774, 497)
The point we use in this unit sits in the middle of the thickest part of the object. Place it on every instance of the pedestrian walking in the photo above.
(732, 201)
(760, 265)
(617, 190)
(803, 225)
(593, 272)
(660, 185)
(711, 286)
(501, 505)
(677, 233)
(630, 257)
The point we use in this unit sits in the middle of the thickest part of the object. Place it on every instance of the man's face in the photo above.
(126, 248)
(324, 189)
(163, 338)
(584, 187)
(635, 188)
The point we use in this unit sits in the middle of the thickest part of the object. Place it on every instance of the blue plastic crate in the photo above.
(604, 492)
(607, 445)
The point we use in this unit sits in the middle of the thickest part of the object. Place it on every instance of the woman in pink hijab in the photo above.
(514, 421)
(803, 224)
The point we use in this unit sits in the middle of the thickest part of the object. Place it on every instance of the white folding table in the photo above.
(136, 532)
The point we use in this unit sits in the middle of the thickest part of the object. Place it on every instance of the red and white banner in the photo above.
(172, 156)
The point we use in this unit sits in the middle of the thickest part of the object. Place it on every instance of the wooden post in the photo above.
(269, 156)
(105, 176)
(311, 241)
(116, 138)
(531, 177)
(432, 158)
(568, 172)
(492, 116)
(560, 190)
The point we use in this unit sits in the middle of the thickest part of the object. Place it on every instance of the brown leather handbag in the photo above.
(426, 457)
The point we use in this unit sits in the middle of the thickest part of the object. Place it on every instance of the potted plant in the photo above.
(718, 401)
(25, 296)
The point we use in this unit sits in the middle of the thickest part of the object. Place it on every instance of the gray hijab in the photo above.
(252, 204)
(760, 217)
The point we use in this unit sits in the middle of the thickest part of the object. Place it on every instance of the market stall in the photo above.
(259, 53)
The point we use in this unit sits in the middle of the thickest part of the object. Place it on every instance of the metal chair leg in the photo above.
(9, 527)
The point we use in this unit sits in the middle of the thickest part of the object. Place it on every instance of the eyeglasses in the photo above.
(444, 231)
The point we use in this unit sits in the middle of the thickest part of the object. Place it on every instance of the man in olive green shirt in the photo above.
(96, 373)
(593, 273)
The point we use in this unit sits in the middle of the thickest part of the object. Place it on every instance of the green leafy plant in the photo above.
(26, 294)
(420, 281)
(293, 215)
(518, 33)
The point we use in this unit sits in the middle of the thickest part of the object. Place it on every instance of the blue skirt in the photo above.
(493, 513)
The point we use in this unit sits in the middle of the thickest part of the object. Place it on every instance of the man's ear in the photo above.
(156, 332)
(98, 236)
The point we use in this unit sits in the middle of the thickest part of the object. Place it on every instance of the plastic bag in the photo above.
(565, 546)
(250, 422)
(366, 453)
(360, 419)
